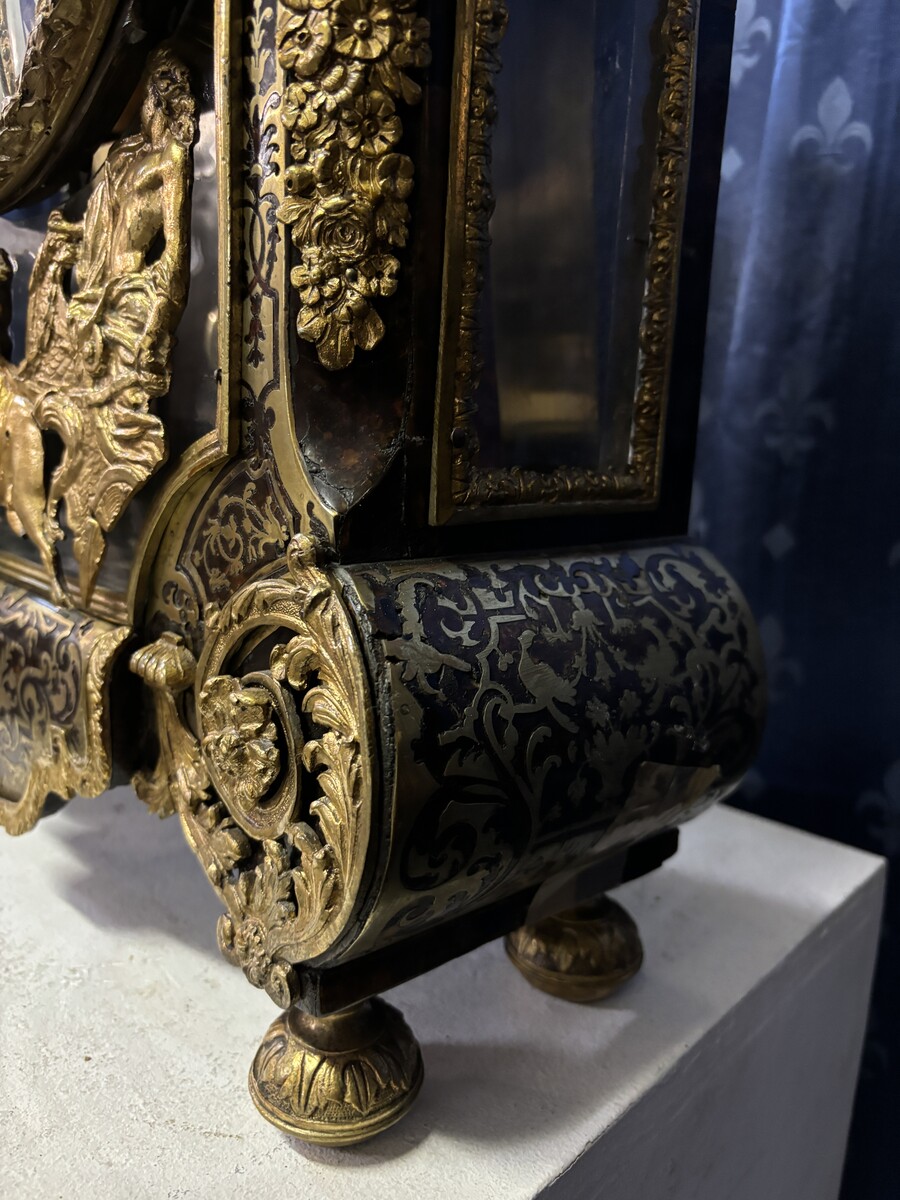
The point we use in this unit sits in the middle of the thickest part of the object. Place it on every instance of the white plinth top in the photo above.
(125, 1039)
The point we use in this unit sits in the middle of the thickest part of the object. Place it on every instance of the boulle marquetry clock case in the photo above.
(348, 392)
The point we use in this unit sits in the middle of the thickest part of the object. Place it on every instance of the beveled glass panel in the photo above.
(567, 173)
(540, 299)
(563, 240)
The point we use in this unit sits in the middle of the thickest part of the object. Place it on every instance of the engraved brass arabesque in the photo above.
(54, 682)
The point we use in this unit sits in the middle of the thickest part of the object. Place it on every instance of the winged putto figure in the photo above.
(105, 297)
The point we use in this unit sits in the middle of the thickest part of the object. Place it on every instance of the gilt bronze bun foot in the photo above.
(583, 954)
(340, 1079)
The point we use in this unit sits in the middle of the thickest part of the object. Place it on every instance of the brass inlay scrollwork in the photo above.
(347, 62)
(104, 298)
(544, 709)
(274, 787)
(461, 482)
(54, 727)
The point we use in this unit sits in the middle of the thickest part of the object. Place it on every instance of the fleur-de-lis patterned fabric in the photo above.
(798, 478)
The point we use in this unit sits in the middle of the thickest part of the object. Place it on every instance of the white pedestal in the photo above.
(725, 1071)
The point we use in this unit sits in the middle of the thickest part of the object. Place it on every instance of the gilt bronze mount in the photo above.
(582, 954)
(338, 1080)
(355, 546)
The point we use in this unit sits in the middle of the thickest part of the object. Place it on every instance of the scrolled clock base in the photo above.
(340, 1079)
(583, 954)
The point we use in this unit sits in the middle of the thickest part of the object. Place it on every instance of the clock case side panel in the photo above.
(370, 530)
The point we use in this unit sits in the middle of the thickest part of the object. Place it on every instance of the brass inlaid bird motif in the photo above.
(547, 687)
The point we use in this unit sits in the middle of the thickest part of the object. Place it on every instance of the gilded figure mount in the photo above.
(104, 299)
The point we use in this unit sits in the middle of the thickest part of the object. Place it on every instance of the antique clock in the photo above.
(351, 360)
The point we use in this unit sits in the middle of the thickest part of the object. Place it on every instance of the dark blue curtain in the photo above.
(798, 480)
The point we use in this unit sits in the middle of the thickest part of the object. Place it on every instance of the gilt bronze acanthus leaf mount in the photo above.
(271, 770)
(584, 954)
(337, 1080)
(179, 778)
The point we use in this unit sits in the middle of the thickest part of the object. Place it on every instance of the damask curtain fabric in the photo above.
(799, 459)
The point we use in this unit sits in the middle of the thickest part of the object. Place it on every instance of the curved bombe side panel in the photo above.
(545, 711)
(472, 731)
